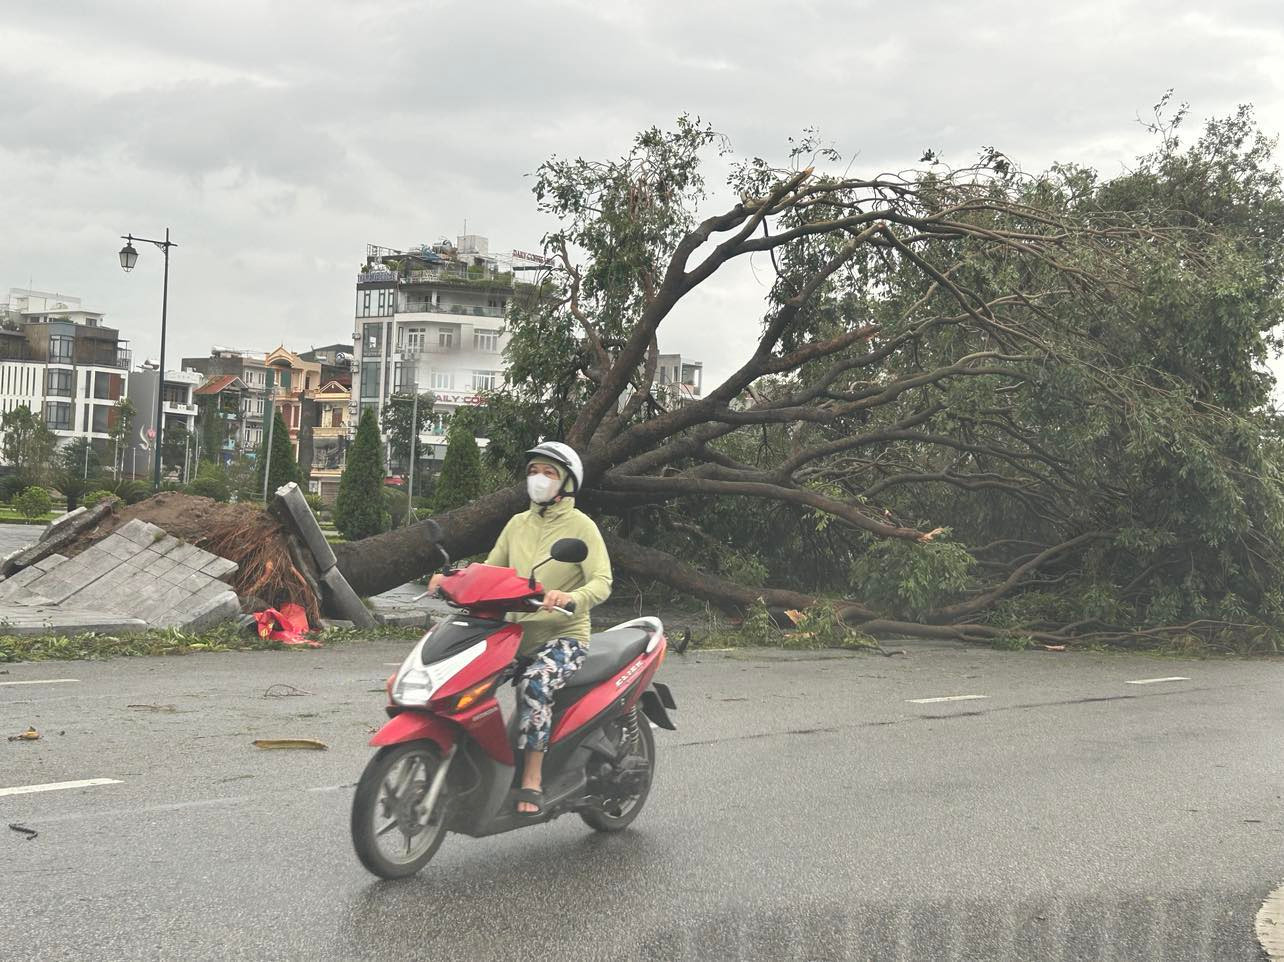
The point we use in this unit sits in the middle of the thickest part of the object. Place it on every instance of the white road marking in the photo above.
(929, 701)
(1155, 681)
(58, 786)
(1270, 924)
(43, 681)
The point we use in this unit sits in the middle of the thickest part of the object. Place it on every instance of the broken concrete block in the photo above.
(222, 607)
(60, 522)
(141, 532)
(402, 618)
(45, 620)
(220, 568)
(69, 528)
(49, 563)
(343, 601)
(292, 508)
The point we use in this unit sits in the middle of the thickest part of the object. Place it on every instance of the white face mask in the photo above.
(542, 488)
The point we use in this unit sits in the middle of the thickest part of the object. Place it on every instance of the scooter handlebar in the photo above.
(568, 610)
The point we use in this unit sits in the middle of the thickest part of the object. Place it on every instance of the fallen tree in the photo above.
(980, 403)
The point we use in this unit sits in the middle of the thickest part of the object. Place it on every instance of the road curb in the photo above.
(1270, 925)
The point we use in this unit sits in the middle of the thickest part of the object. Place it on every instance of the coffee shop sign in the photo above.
(459, 397)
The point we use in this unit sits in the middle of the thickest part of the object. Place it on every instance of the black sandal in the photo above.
(532, 796)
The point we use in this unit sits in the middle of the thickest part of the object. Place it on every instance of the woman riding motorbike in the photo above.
(556, 645)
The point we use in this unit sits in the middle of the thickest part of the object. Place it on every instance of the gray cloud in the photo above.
(277, 138)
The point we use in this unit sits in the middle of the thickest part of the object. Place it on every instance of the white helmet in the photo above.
(562, 454)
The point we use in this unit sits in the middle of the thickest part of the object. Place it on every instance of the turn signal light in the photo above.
(473, 695)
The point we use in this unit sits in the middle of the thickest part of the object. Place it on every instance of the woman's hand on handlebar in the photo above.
(434, 583)
(556, 599)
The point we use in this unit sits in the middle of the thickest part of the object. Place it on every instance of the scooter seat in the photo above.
(609, 651)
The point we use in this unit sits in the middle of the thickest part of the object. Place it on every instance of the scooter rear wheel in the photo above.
(618, 814)
(393, 836)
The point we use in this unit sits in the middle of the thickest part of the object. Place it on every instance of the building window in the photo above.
(486, 341)
(174, 394)
(60, 349)
(484, 380)
(60, 384)
(365, 303)
(443, 381)
(415, 338)
(370, 379)
(373, 340)
(445, 337)
(382, 304)
(58, 415)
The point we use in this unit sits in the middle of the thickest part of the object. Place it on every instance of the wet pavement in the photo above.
(948, 803)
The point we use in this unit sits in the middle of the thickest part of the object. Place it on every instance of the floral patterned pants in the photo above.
(552, 666)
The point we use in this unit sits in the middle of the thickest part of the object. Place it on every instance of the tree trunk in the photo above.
(385, 561)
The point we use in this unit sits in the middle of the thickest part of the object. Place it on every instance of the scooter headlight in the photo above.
(416, 681)
(414, 687)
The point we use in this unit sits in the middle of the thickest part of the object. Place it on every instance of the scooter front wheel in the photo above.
(393, 833)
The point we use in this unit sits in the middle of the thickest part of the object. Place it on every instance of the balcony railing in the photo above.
(413, 306)
(179, 407)
(459, 273)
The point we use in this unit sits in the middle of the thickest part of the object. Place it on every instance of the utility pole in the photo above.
(414, 437)
(271, 420)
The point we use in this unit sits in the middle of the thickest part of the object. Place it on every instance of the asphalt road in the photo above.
(805, 810)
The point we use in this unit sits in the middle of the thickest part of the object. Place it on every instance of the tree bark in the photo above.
(383, 562)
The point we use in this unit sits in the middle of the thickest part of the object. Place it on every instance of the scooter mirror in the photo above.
(569, 550)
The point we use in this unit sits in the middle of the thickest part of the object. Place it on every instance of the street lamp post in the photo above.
(128, 258)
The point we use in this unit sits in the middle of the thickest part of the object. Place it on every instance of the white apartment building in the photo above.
(432, 319)
(61, 362)
(178, 406)
(679, 378)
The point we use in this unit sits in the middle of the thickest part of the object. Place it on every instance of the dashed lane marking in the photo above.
(42, 681)
(931, 701)
(1156, 681)
(58, 786)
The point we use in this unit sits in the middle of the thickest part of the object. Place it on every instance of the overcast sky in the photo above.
(277, 138)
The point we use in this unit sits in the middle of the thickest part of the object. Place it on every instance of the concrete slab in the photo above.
(138, 573)
(48, 620)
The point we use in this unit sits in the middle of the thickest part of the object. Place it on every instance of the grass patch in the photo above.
(9, 516)
(174, 641)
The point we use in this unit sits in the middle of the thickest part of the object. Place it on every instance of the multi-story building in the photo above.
(330, 439)
(178, 407)
(432, 319)
(251, 368)
(679, 379)
(220, 398)
(61, 362)
(335, 361)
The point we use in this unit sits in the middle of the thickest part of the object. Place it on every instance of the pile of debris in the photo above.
(174, 560)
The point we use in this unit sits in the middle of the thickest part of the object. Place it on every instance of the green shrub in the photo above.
(394, 501)
(12, 485)
(315, 503)
(284, 467)
(131, 492)
(907, 579)
(33, 503)
(360, 511)
(211, 482)
(461, 471)
(94, 497)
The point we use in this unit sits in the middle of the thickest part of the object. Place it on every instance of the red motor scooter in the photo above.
(447, 760)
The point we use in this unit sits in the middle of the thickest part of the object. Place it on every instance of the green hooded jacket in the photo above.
(526, 540)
